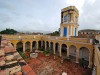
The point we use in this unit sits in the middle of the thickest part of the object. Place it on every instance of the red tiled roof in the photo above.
(26, 69)
(31, 73)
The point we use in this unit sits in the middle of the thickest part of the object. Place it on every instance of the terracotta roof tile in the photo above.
(26, 69)
(31, 73)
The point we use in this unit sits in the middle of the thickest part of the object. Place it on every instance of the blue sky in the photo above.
(44, 15)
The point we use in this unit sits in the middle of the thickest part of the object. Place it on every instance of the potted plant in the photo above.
(47, 53)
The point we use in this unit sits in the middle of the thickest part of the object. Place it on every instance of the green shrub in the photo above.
(46, 52)
(41, 49)
(24, 55)
(28, 50)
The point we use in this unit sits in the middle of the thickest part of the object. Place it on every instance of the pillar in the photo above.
(68, 52)
(41, 44)
(77, 56)
(23, 47)
(76, 31)
(45, 45)
(49, 46)
(90, 60)
(61, 31)
(54, 48)
(15, 46)
(68, 30)
(60, 50)
(30, 46)
(36, 44)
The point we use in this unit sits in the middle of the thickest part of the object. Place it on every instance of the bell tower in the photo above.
(69, 21)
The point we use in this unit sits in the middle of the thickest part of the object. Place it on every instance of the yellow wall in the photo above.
(97, 60)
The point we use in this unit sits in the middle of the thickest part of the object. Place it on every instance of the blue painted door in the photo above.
(65, 31)
(75, 32)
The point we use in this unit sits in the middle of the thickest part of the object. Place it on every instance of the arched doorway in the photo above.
(19, 46)
(72, 53)
(57, 49)
(27, 46)
(33, 46)
(64, 50)
(43, 47)
(84, 56)
(47, 45)
(39, 44)
(51, 47)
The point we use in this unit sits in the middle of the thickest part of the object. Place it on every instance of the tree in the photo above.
(8, 31)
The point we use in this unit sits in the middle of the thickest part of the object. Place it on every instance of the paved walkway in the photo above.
(43, 65)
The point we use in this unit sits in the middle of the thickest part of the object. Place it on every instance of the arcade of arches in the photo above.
(64, 50)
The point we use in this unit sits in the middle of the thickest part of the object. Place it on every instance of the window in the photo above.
(76, 19)
(65, 18)
(69, 17)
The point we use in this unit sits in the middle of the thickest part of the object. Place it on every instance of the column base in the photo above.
(77, 62)
(54, 53)
(89, 67)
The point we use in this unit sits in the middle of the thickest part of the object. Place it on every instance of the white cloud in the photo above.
(45, 15)
(78, 3)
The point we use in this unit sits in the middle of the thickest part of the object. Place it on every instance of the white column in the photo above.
(60, 50)
(30, 46)
(90, 60)
(67, 52)
(36, 44)
(45, 45)
(67, 31)
(23, 47)
(54, 48)
(77, 32)
(15, 46)
(71, 31)
(61, 31)
(77, 56)
(49, 45)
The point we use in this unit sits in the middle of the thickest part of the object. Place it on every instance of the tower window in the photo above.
(65, 18)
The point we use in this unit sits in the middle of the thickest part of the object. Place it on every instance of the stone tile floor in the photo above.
(47, 65)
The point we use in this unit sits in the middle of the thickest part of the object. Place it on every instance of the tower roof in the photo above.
(70, 8)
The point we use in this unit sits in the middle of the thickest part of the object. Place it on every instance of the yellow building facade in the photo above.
(63, 46)
(73, 46)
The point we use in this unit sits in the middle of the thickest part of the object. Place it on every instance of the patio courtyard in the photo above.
(52, 65)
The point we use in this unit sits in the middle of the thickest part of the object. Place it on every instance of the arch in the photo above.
(47, 45)
(72, 52)
(51, 47)
(84, 53)
(64, 50)
(43, 45)
(27, 46)
(19, 46)
(39, 44)
(57, 48)
(34, 44)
